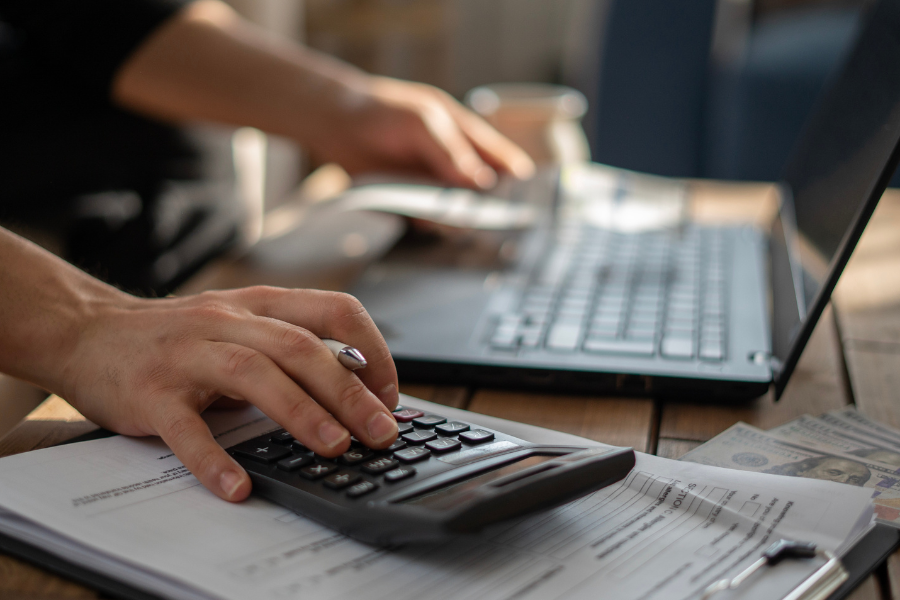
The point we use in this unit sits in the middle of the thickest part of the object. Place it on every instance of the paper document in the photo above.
(128, 508)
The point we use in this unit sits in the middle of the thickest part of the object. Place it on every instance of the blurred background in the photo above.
(706, 88)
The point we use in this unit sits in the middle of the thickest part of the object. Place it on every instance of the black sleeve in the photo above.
(83, 42)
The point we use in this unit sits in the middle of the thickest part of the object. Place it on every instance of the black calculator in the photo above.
(440, 478)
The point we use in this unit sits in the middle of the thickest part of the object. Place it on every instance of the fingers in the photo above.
(336, 316)
(495, 148)
(185, 432)
(450, 154)
(243, 373)
(308, 361)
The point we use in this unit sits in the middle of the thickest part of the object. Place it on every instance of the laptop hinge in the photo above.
(766, 358)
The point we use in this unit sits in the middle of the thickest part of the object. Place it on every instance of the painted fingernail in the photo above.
(230, 481)
(389, 395)
(332, 434)
(381, 428)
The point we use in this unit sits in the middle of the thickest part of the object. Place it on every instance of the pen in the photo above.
(348, 356)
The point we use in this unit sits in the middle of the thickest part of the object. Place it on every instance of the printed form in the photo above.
(128, 508)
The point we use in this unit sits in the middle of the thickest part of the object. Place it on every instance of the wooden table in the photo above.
(853, 357)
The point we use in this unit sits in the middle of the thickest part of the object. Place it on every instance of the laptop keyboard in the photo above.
(643, 294)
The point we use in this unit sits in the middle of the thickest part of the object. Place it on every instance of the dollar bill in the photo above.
(855, 423)
(747, 448)
(830, 435)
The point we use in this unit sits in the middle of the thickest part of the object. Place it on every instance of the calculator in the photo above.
(440, 478)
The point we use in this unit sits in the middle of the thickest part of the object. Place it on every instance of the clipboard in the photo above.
(871, 551)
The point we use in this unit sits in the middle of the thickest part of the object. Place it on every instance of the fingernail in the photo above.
(523, 169)
(485, 177)
(381, 427)
(389, 395)
(332, 434)
(230, 481)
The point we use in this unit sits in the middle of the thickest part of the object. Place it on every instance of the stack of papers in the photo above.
(127, 508)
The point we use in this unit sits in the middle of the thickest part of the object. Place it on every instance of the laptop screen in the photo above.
(833, 180)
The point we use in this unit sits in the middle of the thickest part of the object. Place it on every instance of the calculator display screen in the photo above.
(450, 496)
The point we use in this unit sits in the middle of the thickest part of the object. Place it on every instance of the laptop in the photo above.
(672, 309)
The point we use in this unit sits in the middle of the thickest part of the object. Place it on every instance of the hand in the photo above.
(392, 125)
(150, 367)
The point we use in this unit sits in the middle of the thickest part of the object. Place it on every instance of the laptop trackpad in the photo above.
(429, 313)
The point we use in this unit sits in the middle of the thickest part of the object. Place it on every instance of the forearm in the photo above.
(208, 64)
(44, 303)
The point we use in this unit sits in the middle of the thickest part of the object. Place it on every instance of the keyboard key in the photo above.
(398, 444)
(294, 462)
(505, 342)
(622, 347)
(404, 428)
(564, 336)
(677, 347)
(711, 351)
(476, 436)
(451, 428)
(355, 456)
(283, 439)
(399, 473)
(429, 421)
(379, 465)
(419, 436)
(412, 454)
(318, 470)
(296, 446)
(264, 453)
(445, 444)
(339, 481)
(408, 414)
(362, 488)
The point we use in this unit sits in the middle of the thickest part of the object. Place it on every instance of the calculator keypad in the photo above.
(339, 481)
(412, 454)
(419, 436)
(423, 439)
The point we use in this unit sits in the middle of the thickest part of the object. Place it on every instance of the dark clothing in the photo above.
(121, 191)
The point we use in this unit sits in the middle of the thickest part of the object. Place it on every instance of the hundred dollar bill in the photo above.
(856, 423)
(834, 436)
(747, 448)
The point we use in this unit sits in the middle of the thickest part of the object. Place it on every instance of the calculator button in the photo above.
(339, 481)
(444, 444)
(397, 445)
(399, 473)
(284, 438)
(294, 462)
(412, 454)
(318, 470)
(379, 465)
(419, 436)
(407, 414)
(476, 436)
(363, 487)
(399, 408)
(429, 421)
(355, 456)
(296, 446)
(451, 428)
(264, 453)
(404, 428)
